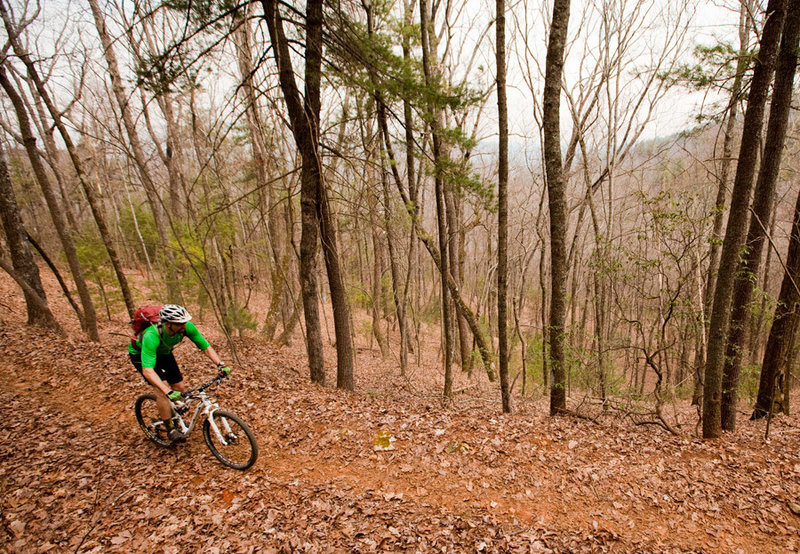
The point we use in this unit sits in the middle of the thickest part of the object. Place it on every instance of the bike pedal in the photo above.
(176, 437)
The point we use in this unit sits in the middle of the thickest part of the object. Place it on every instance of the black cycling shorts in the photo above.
(166, 367)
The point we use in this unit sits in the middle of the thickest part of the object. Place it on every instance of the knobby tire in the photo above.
(158, 437)
(243, 433)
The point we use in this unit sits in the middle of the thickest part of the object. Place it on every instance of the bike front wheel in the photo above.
(230, 440)
(150, 421)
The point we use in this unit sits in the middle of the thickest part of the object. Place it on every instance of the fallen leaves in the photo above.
(395, 470)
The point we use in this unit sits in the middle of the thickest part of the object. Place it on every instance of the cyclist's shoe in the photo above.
(176, 436)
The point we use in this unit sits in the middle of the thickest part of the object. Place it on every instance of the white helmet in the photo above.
(173, 313)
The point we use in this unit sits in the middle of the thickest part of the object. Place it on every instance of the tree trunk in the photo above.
(737, 218)
(455, 216)
(266, 190)
(377, 269)
(783, 322)
(316, 213)
(399, 299)
(414, 268)
(21, 256)
(754, 339)
(762, 212)
(34, 297)
(788, 366)
(544, 311)
(89, 320)
(306, 138)
(556, 187)
(464, 333)
(345, 358)
(439, 185)
(727, 154)
(722, 188)
(46, 131)
(502, 207)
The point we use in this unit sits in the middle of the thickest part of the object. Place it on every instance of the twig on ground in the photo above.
(99, 515)
(466, 388)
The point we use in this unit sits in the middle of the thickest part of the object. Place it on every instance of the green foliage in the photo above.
(432, 312)
(374, 65)
(202, 12)
(365, 328)
(26, 189)
(91, 251)
(684, 390)
(94, 260)
(239, 318)
(715, 67)
(145, 223)
(475, 359)
(359, 298)
(458, 173)
(749, 381)
(761, 296)
(387, 297)
(580, 365)
(166, 72)
(533, 354)
(174, 68)
(673, 221)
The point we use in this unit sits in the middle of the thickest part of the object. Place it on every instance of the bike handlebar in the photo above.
(216, 380)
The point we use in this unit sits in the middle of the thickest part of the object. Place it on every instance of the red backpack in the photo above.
(142, 318)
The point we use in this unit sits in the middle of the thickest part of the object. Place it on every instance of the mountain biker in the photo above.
(151, 355)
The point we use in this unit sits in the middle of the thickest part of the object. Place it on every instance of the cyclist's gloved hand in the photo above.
(174, 395)
(224, 371)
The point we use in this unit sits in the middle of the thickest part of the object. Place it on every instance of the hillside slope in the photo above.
(77, 474)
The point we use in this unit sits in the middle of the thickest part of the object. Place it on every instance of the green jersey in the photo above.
(155, 340)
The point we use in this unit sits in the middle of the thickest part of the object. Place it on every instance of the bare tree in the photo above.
(316, 213)
(88, 317)
(502, 210)
(270, 209)
(726, 162)
(785, 319)
(55, 114)
(556, 188)
(123, 102)
(21, 255)
(431, 78)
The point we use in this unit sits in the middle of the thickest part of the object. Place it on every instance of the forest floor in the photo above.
(77, 474)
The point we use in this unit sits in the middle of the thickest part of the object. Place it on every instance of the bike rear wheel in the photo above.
(150, 421)
(235, 445)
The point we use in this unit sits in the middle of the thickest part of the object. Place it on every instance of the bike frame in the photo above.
(205, 407)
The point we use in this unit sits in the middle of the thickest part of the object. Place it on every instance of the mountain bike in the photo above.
(230, 439)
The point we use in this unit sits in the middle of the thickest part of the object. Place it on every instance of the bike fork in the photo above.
(213, 422)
